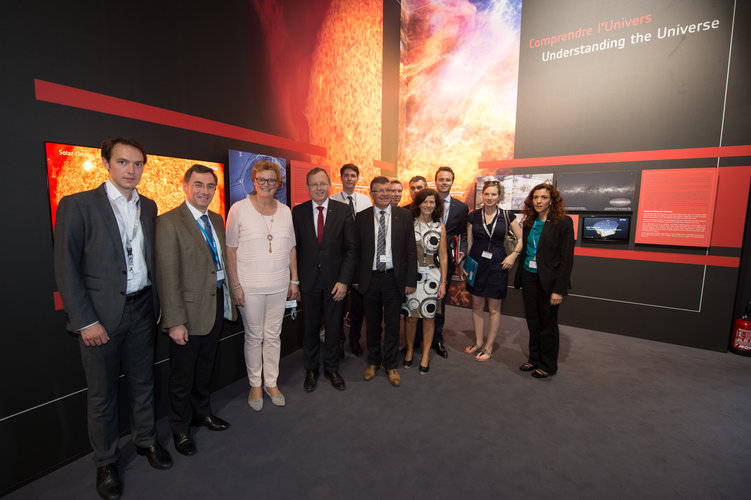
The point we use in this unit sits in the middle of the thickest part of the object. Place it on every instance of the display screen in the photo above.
(240, 169)
(72, 169)
(606, 228)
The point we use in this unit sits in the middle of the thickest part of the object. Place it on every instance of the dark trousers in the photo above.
(316, 303)
(542, 321)
(191, 366)
(383, 301)
(130, 349)
(355, 315)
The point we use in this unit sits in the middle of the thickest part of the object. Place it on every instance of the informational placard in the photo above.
(515, 190)
(298, 187)
(676, 207)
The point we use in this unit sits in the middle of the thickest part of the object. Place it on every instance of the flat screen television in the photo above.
(71, 169)
(606, 228)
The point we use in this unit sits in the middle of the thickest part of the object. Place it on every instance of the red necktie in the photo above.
(320, 224)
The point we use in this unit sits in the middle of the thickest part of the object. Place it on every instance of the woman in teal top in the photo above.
(545, 276)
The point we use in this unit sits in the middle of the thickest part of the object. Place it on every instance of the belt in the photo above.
(387, 271)
(135, 295)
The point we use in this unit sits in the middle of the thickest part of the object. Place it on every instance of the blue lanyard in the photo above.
(536, 241)
(212, 245)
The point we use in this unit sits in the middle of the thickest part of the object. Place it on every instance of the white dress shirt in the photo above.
(360, 201)
(315, 205)
(125, 213)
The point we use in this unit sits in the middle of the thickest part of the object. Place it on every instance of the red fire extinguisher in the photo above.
(740, 343)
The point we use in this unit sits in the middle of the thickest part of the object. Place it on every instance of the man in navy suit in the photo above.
(325, 236)
(454, 217)
(387, 271)
(105, 271)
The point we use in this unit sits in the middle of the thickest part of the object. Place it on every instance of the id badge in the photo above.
(487, 255)
(422, 270)
(382, 258)
(219, 274)
(533, 264)
(290, 304)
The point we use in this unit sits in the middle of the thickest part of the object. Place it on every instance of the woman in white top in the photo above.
(262, 271)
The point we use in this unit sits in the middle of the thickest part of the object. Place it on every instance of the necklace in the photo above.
(268, 224)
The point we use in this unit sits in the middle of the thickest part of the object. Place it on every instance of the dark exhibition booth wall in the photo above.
(665, 92)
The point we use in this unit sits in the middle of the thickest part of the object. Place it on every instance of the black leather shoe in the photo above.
(184, 444)
(440, 349)
(311, 381)
(108, 483)
(356, 349)
(158, 457)
(336, 380)
(211, 422)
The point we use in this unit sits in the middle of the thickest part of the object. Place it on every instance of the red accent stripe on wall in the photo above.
(663, 154)
(92, 101)
(674, 258)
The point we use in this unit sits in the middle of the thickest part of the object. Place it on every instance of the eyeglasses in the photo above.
(262, 181)
(319, 186)
(379, 191)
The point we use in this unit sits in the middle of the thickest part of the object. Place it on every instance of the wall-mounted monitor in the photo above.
(72, 169)
(606, 228)
(240, 168)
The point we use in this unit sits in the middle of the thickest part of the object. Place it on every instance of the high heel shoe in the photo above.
(424, 369)
(408, 362)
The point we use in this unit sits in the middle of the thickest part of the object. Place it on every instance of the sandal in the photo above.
(541, 373)
(472, 349)
(483, 355)
(527, 367)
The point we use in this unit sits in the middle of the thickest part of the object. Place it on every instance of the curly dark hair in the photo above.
(420, 197)
(556, 212)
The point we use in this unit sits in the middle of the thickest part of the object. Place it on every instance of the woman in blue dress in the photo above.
(486, 230)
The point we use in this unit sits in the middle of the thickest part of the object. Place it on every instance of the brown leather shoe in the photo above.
(394, 378)
(370, 372)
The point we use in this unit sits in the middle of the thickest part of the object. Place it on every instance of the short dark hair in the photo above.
(396, 181)
(444, 169)
(418, 178)
(350, 166)
(199, 169)
(379, 180)
(315, 171)
(420, 197)
(108, 144)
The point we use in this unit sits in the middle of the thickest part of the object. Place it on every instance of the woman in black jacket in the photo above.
(544, 274)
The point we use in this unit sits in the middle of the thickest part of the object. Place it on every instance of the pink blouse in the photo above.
(258, 270)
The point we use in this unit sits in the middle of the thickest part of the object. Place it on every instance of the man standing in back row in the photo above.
(325, 236)
(105, 269)
(454, 217)
(357, 202)
(195, 300)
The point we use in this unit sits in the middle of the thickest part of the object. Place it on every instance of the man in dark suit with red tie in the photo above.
(387, 271)
(324, 233)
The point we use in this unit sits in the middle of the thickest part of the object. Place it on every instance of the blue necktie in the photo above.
(207, 227)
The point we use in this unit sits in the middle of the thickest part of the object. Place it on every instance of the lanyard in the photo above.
(129, 237)
(492, 230)
(212, 245)
(536, 241)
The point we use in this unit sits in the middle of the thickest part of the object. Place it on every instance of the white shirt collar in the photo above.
(325, 205)
(194, 211)
(113, 193)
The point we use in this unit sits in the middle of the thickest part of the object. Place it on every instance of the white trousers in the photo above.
(262, 318)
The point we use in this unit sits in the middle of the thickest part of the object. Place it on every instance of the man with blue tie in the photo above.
(195, 301)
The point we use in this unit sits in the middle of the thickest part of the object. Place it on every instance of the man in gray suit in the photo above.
(104, 267)
(195, 301)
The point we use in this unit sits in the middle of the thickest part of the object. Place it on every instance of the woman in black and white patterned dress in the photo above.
(430, 238)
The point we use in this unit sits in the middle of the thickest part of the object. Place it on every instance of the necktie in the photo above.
(207, 228)
(352, 206)
(381, 266)
(320, 225)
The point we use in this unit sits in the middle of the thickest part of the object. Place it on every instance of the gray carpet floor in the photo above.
(623, 418)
